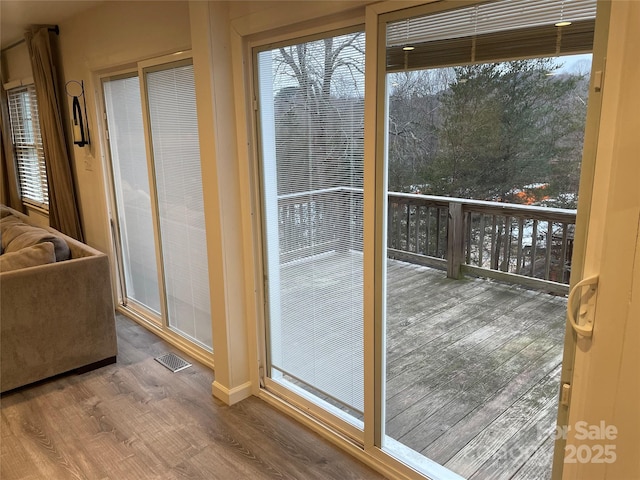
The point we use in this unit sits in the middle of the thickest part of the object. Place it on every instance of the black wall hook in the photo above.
(79, 124)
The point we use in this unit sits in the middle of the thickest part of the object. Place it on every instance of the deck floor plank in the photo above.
(472, 377)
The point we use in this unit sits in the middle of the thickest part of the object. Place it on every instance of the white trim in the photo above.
(233, 395)
(20, 82)
(201, 355)
(373, 363)
(13, 84)
(315, 407)
(378, 459)
(164, 60)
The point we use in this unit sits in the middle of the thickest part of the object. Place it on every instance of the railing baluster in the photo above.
(563, 252)
(507, 244)
(417, 228)
(520, 262)
(428, 231)
(492, 259)
(547, 260)
(408, 228)
(467, 227)
(534, 242)
(438, 213)
(481, 242)
(399, 209)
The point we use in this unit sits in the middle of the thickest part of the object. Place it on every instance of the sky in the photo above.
(576, 63)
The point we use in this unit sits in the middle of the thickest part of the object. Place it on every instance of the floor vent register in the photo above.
(173, 362)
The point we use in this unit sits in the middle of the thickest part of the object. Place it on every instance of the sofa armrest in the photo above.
(55, 318)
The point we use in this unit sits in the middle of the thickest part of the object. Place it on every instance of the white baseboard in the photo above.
(233, 395)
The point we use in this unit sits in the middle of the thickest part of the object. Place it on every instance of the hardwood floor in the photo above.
(137, 420)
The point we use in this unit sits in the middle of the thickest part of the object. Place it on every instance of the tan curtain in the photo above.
(63, 207)
(10, 192)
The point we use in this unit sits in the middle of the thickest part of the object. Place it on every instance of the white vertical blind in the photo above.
(27, 144)
(131, 182)
(312, 122)
(176, 161)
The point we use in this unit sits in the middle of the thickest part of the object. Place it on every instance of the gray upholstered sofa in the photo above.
(56, 305)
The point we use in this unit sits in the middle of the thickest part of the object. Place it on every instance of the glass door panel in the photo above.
(311, 114)
(485, 139)
(176, 161)
(131, 187)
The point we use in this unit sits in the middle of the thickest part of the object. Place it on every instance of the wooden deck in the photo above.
(473, 369)
(473, 365)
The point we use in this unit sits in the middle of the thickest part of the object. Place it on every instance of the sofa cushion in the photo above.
(17, 236)
(5, 211)
(39, 254)
(8, 220)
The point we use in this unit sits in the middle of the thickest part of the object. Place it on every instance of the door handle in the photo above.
(586, 310)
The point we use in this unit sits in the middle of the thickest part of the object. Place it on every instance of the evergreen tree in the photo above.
(503, 125)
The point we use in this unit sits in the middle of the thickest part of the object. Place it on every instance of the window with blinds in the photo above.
(491, 31)
(311, 118)
(173, 118)
(27, 145)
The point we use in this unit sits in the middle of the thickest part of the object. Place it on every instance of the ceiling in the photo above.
(17, 15)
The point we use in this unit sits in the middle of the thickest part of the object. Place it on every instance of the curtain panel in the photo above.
(63, 206)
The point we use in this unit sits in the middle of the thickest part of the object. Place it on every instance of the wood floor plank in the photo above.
(452, 402)
(489, 441)
(532, 434)
(472, 343)
(537, 466)
(459, 353)
(137, 420)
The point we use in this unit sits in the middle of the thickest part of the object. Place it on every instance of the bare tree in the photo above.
(320, 107)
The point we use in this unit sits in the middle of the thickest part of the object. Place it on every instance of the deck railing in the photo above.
(319, 221)
(521, 244)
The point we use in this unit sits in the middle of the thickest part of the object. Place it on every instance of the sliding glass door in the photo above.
(485, 125)
(475, 139)
(158, 224)
(311, 129)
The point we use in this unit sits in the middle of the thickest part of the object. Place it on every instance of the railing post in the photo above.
(455, 240)
(342, 203)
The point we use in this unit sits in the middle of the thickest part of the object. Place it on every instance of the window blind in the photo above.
(27, 144)
(492, 31)
(173, 118)
(312, 116)
(131, 188)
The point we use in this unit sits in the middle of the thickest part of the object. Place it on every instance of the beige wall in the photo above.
(251, 17)
(16, 64)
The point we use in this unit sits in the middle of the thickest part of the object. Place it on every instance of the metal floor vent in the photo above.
(173, 362)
